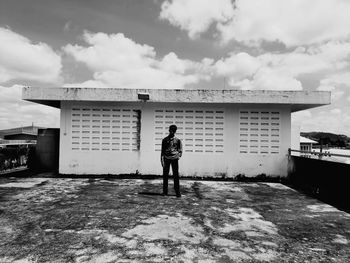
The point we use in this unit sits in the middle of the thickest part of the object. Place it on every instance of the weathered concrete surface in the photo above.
(96, 220)
(297, 99)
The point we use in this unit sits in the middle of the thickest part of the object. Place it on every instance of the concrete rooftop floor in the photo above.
(98, 220)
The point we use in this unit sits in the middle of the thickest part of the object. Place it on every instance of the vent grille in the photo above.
(201, 131)
(259, 132)
(105, 129)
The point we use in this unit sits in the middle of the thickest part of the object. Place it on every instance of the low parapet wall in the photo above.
(329, 181)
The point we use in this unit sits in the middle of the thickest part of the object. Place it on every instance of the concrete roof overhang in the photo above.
(298, 100)
(20, 133)
(306, 140)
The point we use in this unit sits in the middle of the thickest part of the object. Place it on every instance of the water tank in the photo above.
(47, 149)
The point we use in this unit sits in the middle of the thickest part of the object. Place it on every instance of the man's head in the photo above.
(172, 129)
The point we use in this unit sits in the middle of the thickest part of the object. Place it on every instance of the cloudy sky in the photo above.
(175, 44)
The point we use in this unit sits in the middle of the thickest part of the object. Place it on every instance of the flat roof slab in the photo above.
(298, 100)
(99, 220)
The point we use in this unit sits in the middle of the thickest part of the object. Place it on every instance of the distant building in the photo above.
(224, 132)
(18, 137)
(306, 144)
(20, 133)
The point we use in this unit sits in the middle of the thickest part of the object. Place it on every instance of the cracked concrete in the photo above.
(98, 220)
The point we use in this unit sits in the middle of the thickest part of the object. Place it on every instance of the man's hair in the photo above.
(173, 127)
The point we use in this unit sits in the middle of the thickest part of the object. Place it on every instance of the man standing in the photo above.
(170, 155)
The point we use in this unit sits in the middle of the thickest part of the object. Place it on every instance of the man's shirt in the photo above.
(171, 148)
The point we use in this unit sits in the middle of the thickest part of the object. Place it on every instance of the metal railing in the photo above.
(319, 154)
(17, 142)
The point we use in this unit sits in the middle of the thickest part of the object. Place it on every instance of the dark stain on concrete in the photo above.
(82, 220)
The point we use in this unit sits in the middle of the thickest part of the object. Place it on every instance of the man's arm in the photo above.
(180, 148)
(162, 153)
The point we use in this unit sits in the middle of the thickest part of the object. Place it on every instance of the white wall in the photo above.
(295, 139)
(147, 160)
(89, 162)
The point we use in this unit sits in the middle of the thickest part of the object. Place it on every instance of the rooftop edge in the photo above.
(298, 99)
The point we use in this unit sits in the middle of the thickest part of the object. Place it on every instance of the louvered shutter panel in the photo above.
(201, 130)
(259, 132)
(105, 129)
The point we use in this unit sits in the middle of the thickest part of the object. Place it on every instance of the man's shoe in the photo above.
(164, 194)
(178, 195)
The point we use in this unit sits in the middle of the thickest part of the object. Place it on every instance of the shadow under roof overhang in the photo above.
(296, 100)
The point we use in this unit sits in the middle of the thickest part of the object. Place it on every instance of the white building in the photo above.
(224, 132)
(306, 144)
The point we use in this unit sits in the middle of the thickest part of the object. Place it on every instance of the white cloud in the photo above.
(269, 71)
(21, 59)
(336, 83)
(275, 79)
(302, 115)
(15, 112)
(299, 117)
(195, 16)
(337, 79)
(86, 84)
(281, 71)
(111, 52)
(238, 65)
(334, 120)
(294, 22)
(119, 62)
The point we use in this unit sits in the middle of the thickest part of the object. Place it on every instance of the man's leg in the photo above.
(175, 167)
(166, 168)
